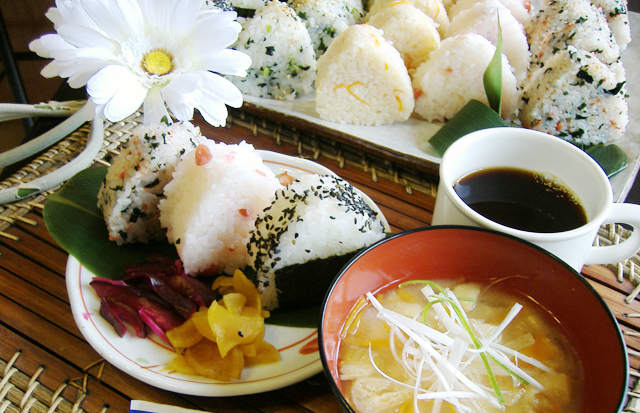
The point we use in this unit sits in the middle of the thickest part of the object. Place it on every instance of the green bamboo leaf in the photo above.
(492, 78)
(76, 223)
(610, 157)
(473, 116)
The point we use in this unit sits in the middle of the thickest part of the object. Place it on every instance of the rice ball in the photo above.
(324, 20)
(482, 18)
(432, 8)
(453, 76)
(211, 205)
(316, 217)
(412, 33)
(362, 80)
(136, 178)
(576, 97)
(521, 10)
(578, 24)
(283, 62)
(617, 16)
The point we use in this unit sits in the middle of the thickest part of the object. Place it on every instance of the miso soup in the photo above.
(456, 347)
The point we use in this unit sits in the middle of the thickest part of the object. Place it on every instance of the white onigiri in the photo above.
(362, 80)
(432, 8)
(453, 76)
(211, 205)
(576, 97)
(520, 9)
(482, 18)
(412, 33)
(324, 20)
(135, 181)
(283, 62)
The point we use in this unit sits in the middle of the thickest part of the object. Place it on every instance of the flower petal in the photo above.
(226, 62)
(182, 95)
(215, 85)
(84, 37)
(154, 107)
(182, 112)
(178, 90)
(80, 72)
(51, 70)
(119, 19)
(214, 32)
(118, 89)
(213, 111)
(125, 102)
(171, 16)
(45, 45)
(70, 11)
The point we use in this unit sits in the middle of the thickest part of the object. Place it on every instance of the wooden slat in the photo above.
(42, 278)
(36, 249)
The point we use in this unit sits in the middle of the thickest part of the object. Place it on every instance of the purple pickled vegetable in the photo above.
(149, 319)
(164, 315)
(120, 312)
(157, 265)
(181, 304)
(193, 289)
(106, 311)
(155, 295)
(109, 289)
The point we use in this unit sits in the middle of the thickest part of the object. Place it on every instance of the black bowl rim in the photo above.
(325, 367)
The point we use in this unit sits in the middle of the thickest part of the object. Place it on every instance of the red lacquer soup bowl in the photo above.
(485, 256)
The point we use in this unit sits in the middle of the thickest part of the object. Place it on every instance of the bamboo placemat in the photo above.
(118, 133)
(20, 393)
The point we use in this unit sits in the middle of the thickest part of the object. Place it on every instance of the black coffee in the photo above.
(521, 199)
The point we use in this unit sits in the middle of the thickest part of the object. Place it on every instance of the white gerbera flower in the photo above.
(157, 54)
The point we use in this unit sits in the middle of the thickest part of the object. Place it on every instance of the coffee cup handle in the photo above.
(622, 214)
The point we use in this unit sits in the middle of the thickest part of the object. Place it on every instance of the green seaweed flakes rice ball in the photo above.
(577, 97)
(212, 203)
(578, 23)
(617, 15)
(324, 20)
(135, 181)
(283, 62)
(362, 80)
(312, 228)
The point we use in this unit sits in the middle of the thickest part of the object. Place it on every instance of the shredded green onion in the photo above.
(447, 354)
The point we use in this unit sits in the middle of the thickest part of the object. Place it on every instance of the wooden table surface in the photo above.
(45, 361)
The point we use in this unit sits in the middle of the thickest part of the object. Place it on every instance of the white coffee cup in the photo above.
(539, 152)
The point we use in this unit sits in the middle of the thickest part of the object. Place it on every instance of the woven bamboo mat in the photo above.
(118, 133)
(20, 393)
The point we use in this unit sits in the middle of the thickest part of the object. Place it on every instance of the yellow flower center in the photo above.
(157, 62)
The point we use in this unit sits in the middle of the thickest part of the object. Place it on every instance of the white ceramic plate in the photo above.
(145, 359)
